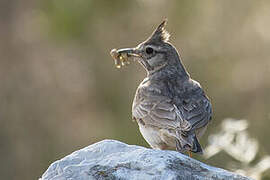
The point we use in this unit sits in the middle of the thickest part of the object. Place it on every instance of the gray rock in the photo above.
(110, 159)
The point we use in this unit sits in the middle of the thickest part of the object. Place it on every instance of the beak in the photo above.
(122, 55)
(137, 54)
(130, 52)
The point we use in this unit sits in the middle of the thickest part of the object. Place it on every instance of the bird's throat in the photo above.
(158, 68)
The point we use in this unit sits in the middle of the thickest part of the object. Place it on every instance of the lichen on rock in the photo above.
(110, 159)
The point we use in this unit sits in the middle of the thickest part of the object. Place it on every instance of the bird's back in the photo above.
(173, 104)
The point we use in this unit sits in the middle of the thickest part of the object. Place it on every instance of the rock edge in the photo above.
(111, 159)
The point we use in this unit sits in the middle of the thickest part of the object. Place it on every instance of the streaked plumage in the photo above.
(171, 109)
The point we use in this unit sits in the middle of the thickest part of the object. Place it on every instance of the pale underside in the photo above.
(163, 123)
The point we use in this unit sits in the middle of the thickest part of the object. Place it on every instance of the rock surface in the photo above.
(110, 159)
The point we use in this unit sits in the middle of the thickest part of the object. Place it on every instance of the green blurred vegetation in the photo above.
(60, 91)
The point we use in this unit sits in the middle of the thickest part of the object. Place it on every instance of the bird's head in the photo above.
(156, 52)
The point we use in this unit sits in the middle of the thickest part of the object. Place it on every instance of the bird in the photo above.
(171, 109)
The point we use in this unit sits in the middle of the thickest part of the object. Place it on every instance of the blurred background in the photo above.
(60, 91)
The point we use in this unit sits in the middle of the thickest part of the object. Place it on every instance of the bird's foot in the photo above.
(190, 154)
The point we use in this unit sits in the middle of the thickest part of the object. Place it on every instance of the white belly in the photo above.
(151, 135)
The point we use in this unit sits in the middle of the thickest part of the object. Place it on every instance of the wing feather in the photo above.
(165, 114)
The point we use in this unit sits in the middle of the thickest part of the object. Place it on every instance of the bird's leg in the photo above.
(189, 153)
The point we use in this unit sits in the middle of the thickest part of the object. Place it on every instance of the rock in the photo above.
(110, 159)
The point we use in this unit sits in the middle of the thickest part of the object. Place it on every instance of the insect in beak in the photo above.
(122, 56)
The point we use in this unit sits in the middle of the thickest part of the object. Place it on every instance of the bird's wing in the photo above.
(197, 110)
(186, 114)
(159, 112)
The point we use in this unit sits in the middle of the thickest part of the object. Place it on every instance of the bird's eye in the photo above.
(149, 50)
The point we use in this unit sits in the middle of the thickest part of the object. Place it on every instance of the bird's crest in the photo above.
(160, 34)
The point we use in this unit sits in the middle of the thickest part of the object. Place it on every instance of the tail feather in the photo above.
(188, 143)
(197, 148)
